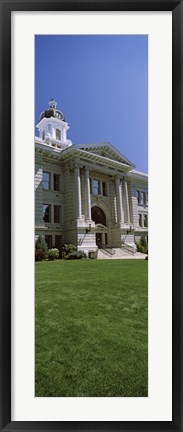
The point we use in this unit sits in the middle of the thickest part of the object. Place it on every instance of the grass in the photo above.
(91, 328)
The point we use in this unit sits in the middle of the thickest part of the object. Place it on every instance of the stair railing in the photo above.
(128, 248)
(107, 249)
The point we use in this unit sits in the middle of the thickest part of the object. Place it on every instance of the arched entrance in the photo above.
(99, 217)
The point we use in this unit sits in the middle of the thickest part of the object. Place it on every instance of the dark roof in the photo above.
(52, 111)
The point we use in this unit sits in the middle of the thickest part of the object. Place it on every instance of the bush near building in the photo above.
(70, 252)
(53, 254)
(76, 255)
(142, 245)
(41, 249)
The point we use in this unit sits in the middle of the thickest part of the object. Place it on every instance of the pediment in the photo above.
(100, 227)
(106, 150)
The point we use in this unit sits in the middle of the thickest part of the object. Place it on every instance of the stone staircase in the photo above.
(128, 240)
(119, 253)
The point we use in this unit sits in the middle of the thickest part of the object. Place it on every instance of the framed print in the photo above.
(91, 332)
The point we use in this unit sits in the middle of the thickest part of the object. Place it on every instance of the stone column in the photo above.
(78, 192)
(53, 133)
(119, 200)
(88, 197)
(127, 202)
(63, 135)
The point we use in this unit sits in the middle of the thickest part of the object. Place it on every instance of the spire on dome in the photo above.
(52, 103)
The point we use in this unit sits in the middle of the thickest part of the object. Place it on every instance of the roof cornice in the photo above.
(136, 175)
(109, 147)
(53, 152)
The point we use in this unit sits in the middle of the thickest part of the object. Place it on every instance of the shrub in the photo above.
(81, 255)
(69, 248)
(142, 245)
(53, 254)
(143, 241)
(140, 248)
(76, 255)
(39, 255)
(41, 246)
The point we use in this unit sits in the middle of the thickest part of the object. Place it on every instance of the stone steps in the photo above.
(119, 254)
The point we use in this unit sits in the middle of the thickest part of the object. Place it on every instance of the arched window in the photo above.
(43, 135)
(58, 134)
(98, 216)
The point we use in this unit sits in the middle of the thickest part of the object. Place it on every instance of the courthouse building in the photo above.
(89, 195)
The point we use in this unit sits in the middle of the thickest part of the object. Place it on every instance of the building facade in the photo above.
(88, 194)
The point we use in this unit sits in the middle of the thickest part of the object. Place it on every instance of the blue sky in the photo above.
(101, 85)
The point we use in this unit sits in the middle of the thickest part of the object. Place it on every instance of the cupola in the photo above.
(53, 126)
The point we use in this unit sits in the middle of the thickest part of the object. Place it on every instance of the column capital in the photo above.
(76, 163)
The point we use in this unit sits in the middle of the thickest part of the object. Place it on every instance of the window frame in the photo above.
(145, 221)
(49, 243)
(56, 206)
(49, 214)
(54, 182)
(58, 131)
(47, 181)
(98, 190)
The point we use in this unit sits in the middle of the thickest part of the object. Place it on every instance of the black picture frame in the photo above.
(6, 7)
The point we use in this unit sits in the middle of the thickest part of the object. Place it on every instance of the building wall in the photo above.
(38, 192)
(138, 208)
(76, 232)
(69, 196)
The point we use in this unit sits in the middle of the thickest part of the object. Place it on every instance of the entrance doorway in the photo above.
(98, 215)
(99, 240)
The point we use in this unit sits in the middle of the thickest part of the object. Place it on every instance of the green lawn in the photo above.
(91, 328)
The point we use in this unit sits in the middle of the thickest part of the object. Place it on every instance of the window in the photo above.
(143, 198)
(140, 220)
(46, 180)
(43, 135)
(104, 189)
(48, 240)
(96, 187)
(145, 221)
(98, 215)
(139, 197)
(47, 212)
(58, 241)
(57, 213)
(58, 134)
(56, 181)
